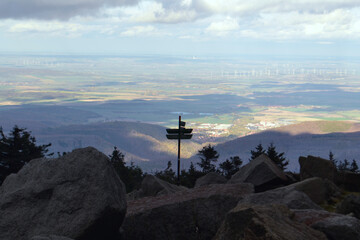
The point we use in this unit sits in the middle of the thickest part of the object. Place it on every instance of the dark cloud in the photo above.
(55, 9)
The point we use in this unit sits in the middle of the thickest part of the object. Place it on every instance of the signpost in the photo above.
(178, 134)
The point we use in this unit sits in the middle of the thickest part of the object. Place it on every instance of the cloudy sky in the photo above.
(295, 27)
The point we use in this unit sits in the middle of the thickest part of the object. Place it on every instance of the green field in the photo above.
(233, 90)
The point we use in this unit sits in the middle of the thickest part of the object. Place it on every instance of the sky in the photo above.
(193, 27)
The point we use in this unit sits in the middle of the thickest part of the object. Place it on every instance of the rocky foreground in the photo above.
(79, 196)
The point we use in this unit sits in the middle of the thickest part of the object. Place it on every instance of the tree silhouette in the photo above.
(17, 149)
(168, 174)
(332, 158)
(230, 167)
(277, 158)
(344, 165)
(354, 167)
(257, 152)
(130, 175)
(117, 158)
(208, 155)
(188, 178)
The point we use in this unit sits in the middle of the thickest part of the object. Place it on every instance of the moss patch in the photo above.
(330, 206)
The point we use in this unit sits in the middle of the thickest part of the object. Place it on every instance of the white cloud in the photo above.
(339, 24)
(54, 28)
(139, 30)
(186, 3)
(317, 20)
(223, 27)
(155, 12)
(271, 19)
(241, 7)
(325, 43)
(187, 37)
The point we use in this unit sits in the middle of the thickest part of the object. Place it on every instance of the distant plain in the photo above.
(222, 98)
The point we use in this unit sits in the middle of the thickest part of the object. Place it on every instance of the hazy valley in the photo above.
(233, 102)
(146, 144)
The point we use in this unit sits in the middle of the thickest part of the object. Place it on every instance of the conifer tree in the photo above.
(208, 156)
(189, 177)
(18, 149)
(168, 174)
(230, 167)
(257, 152)
(332, 158)
(344, 165)
(130, 175)
(354, 167)
(277, 158)
(117, 158)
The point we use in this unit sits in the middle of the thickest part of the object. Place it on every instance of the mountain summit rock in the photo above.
(78, 196)
(262, 172)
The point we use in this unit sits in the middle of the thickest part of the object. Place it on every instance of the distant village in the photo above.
(264, 125)
(215, 130)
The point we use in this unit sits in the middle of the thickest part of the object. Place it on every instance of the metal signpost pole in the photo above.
(179, 140)
(178, 134)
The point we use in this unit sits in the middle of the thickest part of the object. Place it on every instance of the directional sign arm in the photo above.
(186, 136)
(176, 136)
(176, 131)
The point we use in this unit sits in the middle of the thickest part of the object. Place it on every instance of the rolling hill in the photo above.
(147, 146)
(309, 138)
(37, 117)
(144, 144)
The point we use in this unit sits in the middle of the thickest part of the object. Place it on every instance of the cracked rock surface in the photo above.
(78, 196)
